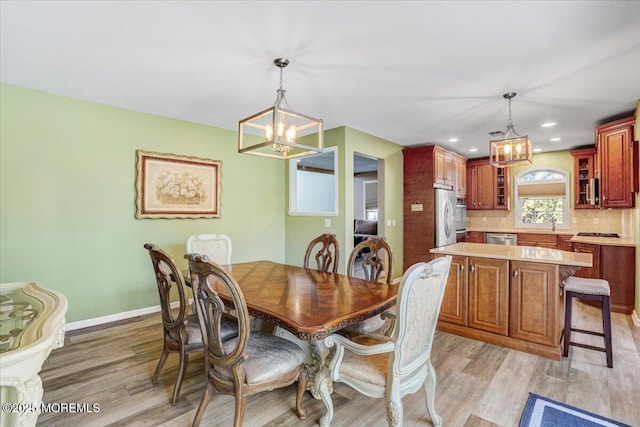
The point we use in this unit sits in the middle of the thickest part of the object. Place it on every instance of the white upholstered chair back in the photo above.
(392, 367)
(217, 247)
(418, 306)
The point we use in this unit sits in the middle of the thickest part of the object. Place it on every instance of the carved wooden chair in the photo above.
(375, 265)
(181, 331)
(392, 367)
(251, 363)
(215, 246)
(326, 253)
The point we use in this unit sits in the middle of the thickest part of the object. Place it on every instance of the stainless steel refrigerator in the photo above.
(445, 217)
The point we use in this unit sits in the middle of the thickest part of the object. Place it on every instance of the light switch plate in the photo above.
(327, 222)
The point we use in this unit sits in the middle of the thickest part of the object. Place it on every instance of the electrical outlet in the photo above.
(504, 220)
(596, 220)
(327, 222)
(484, 219)
(574, 220)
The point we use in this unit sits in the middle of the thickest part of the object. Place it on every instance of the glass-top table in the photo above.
(31, 325)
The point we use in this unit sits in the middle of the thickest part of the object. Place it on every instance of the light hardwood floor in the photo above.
(478, 384)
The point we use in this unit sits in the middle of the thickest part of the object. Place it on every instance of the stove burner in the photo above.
(598, 235)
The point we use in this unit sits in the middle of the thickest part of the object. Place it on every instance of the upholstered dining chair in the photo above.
(371, 259)
(251, 363)
(215, 246)
(325, 251)
(181, 331)
(392, 367)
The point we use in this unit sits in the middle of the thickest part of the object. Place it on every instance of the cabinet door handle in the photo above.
(461, 267)
(472, 268)
(515, 273)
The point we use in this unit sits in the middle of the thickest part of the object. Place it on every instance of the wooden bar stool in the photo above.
(590, 290)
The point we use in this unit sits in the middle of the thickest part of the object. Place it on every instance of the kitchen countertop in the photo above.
(517, 253)
(606, 241)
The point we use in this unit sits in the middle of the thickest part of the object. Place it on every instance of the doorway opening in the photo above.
(368, 197)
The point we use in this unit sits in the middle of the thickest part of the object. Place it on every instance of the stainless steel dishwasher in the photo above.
(509, 239)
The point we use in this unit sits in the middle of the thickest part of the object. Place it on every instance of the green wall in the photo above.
(301, 229)
(67, 198)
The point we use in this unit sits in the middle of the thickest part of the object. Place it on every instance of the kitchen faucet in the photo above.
(553, 222)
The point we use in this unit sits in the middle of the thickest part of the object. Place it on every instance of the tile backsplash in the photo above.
(619, 221)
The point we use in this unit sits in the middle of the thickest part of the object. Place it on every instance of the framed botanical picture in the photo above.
(173, 186)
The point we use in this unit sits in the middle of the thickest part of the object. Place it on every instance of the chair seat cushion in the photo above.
(228, 329)
(269, 357)
(368, 369)
(586, 286)
(367, 326)
(194, 335)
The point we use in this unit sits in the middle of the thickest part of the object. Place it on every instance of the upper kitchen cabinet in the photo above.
(584, 172)
(450, 170)
(443, 167)
(618, 158)
(460, 176)
(487, 186)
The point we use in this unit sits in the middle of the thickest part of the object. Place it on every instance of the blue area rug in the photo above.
(543, 412)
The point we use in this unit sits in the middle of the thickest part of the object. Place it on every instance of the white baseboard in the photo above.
(634, 317)
(115, 317)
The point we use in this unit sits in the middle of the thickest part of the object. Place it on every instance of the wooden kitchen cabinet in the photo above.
(444, 167)
(460, 176)
(618, 267)
(535, 303)
(565, 243)
(474, 237)
(618, 158)
(454, 301)
(594, 250)
(549, 241)
(584, 169)
(488, 295)
(487, 186)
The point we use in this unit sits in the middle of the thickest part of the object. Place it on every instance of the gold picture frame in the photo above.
(174, 186)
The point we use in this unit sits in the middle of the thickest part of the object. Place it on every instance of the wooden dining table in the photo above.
(310, 305)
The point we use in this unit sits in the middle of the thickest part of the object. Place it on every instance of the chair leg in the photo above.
(393, 407)
(184, 361)
(206, 397)
(302, 387)
(163, 358)
(241, 403)
(606, 326)
(430, 394)
(567, 323)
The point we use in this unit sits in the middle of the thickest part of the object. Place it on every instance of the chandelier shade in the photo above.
(512, 149)
(279, 132)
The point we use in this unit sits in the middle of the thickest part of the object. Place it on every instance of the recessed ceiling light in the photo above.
(473, 150)
(453, 139)
(556, 139)
(548, 124)
(537, 150)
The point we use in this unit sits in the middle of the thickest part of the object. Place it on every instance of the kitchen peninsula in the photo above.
(511, 296)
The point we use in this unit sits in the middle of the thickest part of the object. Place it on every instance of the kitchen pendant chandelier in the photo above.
(278, 132)
(512, 149)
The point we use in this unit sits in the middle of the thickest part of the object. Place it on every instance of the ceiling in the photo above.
(410, 72)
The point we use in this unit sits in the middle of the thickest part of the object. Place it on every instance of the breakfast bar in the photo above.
(511, 296)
